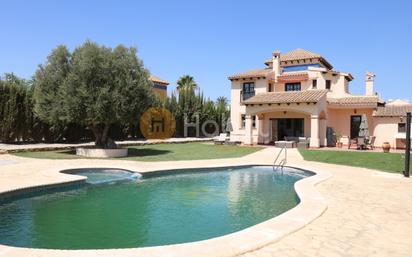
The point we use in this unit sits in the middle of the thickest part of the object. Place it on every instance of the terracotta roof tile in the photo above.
(252, 74)
(367, 101)
(301, 54)
(287, 97)
(297, 54)
(158, 80)
(393, 110)
(294, 77)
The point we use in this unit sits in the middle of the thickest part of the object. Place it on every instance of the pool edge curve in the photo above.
(312, 205)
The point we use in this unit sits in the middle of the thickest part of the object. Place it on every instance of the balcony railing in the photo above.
(246, 95)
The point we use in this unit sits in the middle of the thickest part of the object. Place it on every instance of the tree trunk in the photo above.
(105, 134)
(101, 134)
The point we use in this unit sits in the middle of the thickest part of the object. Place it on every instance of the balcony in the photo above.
(246, 95)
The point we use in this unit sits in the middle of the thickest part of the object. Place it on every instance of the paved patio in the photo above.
(369, 213)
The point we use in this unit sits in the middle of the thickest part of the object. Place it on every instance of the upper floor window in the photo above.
(314, 83)
(248, 90)
(300, 67)
(292, 87)
(328, 84)
(270, 87)
(401, 127)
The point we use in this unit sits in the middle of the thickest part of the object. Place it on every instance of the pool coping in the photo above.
(312, 205)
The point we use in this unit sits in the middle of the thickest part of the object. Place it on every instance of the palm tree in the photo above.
(186, 83)
(221, 102)
(222, 112)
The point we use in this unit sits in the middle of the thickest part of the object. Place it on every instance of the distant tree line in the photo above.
(95, 93)
(20, 123)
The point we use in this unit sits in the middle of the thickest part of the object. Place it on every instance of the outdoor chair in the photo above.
(289, 142)
(371, 143)
(303, 142)
(221, 139)
(353, 141)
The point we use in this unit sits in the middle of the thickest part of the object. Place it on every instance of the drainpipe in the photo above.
(408, 144)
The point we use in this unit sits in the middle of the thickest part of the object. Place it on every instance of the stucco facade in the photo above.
(159, 87)
(299, 94)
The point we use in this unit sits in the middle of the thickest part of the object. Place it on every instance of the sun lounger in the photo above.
(221, 139)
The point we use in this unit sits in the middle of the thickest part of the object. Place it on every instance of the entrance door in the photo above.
(290, 128)
(355, 122)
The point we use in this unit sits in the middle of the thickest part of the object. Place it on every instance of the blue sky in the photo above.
(211, 40)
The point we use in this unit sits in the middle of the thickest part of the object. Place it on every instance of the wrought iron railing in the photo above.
(246, 95)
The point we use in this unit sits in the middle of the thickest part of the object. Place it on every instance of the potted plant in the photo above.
(338, 138)
(386, 147)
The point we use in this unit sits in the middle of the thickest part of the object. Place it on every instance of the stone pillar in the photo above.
(322, 131)
(261, 129)
(248, 130)
(314, 131)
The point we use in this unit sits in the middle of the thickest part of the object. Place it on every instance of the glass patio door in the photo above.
(273, 130)
(290, 128)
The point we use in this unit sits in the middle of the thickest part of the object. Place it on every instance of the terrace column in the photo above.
(248, 130)
(322, 131)
(260, 127)
(314, 131)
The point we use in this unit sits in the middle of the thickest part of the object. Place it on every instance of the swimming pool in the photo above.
(156, 209)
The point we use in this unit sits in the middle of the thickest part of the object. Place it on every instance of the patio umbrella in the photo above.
(363, 127)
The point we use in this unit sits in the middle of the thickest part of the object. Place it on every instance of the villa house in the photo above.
(159, 86)
(299, 94)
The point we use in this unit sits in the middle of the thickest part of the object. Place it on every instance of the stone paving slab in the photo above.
(7, 162)
(369, 214)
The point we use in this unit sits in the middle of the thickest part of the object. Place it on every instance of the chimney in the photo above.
(276, 64)
(369, 78)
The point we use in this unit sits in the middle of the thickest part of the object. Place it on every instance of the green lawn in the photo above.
(160, 152)
(391, 162)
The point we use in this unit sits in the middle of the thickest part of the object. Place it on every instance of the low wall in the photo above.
(13, 148)
(101, 153)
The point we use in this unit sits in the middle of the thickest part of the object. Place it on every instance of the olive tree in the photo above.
(95, 86)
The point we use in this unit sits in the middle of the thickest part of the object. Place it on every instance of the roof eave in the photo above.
(326, 63)
(231, 78)
(161, 83)
(349, 77)
(279, 103)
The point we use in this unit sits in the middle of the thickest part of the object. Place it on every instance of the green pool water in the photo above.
(155, 210)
